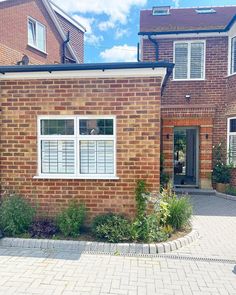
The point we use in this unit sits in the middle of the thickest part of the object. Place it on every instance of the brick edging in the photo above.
(109, 248)
(225, 196)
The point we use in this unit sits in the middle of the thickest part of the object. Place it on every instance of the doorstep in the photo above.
(99, 247)
(195, 191)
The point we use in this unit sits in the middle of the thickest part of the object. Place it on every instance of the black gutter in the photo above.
(156, 46)
(85, 67)
(182, 32)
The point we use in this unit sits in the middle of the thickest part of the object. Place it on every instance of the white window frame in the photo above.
(77, 138)
(189, 42)
(228, 134)
(230, 72)
(37, 23)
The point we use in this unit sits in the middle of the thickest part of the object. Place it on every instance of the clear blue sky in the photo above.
(113, 25)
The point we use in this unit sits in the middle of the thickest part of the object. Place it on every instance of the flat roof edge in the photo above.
(84, 67)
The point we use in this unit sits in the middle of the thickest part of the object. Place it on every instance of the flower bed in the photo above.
(160, 216)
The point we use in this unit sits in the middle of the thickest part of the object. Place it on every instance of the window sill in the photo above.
(231, 75)
(95, 177)
(187, 80)
(36, 48)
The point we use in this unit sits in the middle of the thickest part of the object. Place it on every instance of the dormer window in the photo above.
(161, 10)
(36, 35)
(205, 10)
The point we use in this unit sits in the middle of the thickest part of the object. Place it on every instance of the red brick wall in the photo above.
(210, 93)
(76, 37)
(135, 102)
(14, 34)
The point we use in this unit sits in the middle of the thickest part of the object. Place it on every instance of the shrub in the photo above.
(141, 199)
(16, 215)
(231, 190)
(147, 229)
(111, 227)
(43, 228)
(70, 220)
(180, 212)
(221, 170)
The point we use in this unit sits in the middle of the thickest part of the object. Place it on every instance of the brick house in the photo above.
(81, 131)
(198, 105)
(38, 31)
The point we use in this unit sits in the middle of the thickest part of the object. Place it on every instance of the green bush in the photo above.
(147, 230)
(141, 198)
(111, 227)
(231, 190)
(180, 212)
(16, 215)
(70, 220)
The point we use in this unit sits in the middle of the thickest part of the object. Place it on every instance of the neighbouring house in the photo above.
(81, 131)
(198, 105)
(38, 32)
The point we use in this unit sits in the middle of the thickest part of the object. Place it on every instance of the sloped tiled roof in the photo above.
(187, 19)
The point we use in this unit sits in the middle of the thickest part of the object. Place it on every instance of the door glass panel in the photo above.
(185, 156)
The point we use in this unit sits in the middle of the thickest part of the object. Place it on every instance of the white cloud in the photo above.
(104, 26)
(119, 53)
(89, 37)
(176, 3)
(119, 33)
(117, 11)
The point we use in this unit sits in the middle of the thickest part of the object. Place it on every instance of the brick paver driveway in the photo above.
(205, 267)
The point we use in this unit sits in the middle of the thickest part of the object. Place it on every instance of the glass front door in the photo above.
(186, 156)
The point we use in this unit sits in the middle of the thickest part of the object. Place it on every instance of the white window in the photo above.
(36, 34)
(161, 10)
(189, 59)
(233, 55)
(76, 146)
(232, 140)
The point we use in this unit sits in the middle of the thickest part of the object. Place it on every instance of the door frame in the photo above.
(197, 156)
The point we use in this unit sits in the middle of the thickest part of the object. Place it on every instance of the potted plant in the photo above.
(221, 174)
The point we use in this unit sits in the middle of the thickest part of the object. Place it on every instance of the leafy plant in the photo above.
(16, 215)
(221, 170)
(231, 190)
(111, 227)
(70, 220)
(141, 199)
(180, 212)
(221, 173)
(43, 228)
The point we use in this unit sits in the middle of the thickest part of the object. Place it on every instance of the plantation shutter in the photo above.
(233, 56)
(96, 157)
(197, 61)
(57, 156)
(181, 61)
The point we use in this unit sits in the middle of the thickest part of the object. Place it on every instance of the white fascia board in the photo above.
(187, 35)
(119, 73)
(68, 17)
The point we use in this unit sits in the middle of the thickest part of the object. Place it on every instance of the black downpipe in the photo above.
(64, 45)
(138, 48)
(168, 73)
(156, 46)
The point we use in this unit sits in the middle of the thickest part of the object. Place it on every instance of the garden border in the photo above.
(100, 247)
(225, 196)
